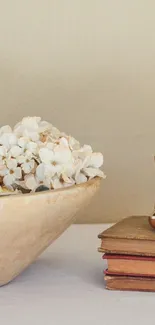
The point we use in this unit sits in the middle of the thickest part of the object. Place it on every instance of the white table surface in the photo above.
(65, 286)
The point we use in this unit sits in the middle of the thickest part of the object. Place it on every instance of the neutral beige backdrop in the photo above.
(88, 67)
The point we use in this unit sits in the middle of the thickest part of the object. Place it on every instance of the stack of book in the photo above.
(129, 248)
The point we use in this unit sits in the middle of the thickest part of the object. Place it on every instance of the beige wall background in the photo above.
(88, 67)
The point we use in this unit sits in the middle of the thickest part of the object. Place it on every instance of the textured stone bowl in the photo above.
(29, 223)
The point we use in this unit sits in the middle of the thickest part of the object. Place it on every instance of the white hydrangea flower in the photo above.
(35, 152)
(80, 178)
(46, 155)
(32, 147)
(49, 145)
(69, 169)
(11, 172)
(62, 155)
(3, 151)
(55, 159)
(26, 144)
(45, 127)
(63, 142)
(33, 127)
(15, 151)
(28, 127)
(4, 155)
(93, 172)
(80, 164)
(32, 135)
(56, 183)
(26, 161)
(73, 143)
(31, 182)
(95, 160)
(31, 122)
(8, 140)
(53, 133)
(83, 152)
(45, 173)
(66, 179)
(89, 166)
(5, 129)
(40, 172)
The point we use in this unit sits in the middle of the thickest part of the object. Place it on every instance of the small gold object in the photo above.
(152, 221)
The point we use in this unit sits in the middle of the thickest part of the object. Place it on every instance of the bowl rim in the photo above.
(50, 192)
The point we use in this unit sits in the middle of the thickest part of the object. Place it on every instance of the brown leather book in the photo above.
(131, 236)
(130, 265)
(117, 282)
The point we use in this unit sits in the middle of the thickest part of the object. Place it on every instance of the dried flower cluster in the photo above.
(35, 155)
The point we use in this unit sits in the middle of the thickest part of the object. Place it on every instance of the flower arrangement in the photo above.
(36, 156)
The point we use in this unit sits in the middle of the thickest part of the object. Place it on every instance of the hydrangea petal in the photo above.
(11, 163)
(4, 171)
(96, 160)
(28, 166)
(93, 172)
(32, 146)
(16, 151)
(5, 129)
(8, 140)
(8, 179)
(31, 182)
(80, 178)
(18, 173)
(56, 183)
(22, 141)
(3, 151)
(40, 172)
(46, 155)
(31, 122)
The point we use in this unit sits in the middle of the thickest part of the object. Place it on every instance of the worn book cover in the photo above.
(129, 283)
(131, 236)
(130, 265)
(141, 274)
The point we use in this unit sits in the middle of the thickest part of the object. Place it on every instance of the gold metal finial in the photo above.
(152, 220)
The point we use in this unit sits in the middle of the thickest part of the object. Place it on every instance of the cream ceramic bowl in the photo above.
(29, 223)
